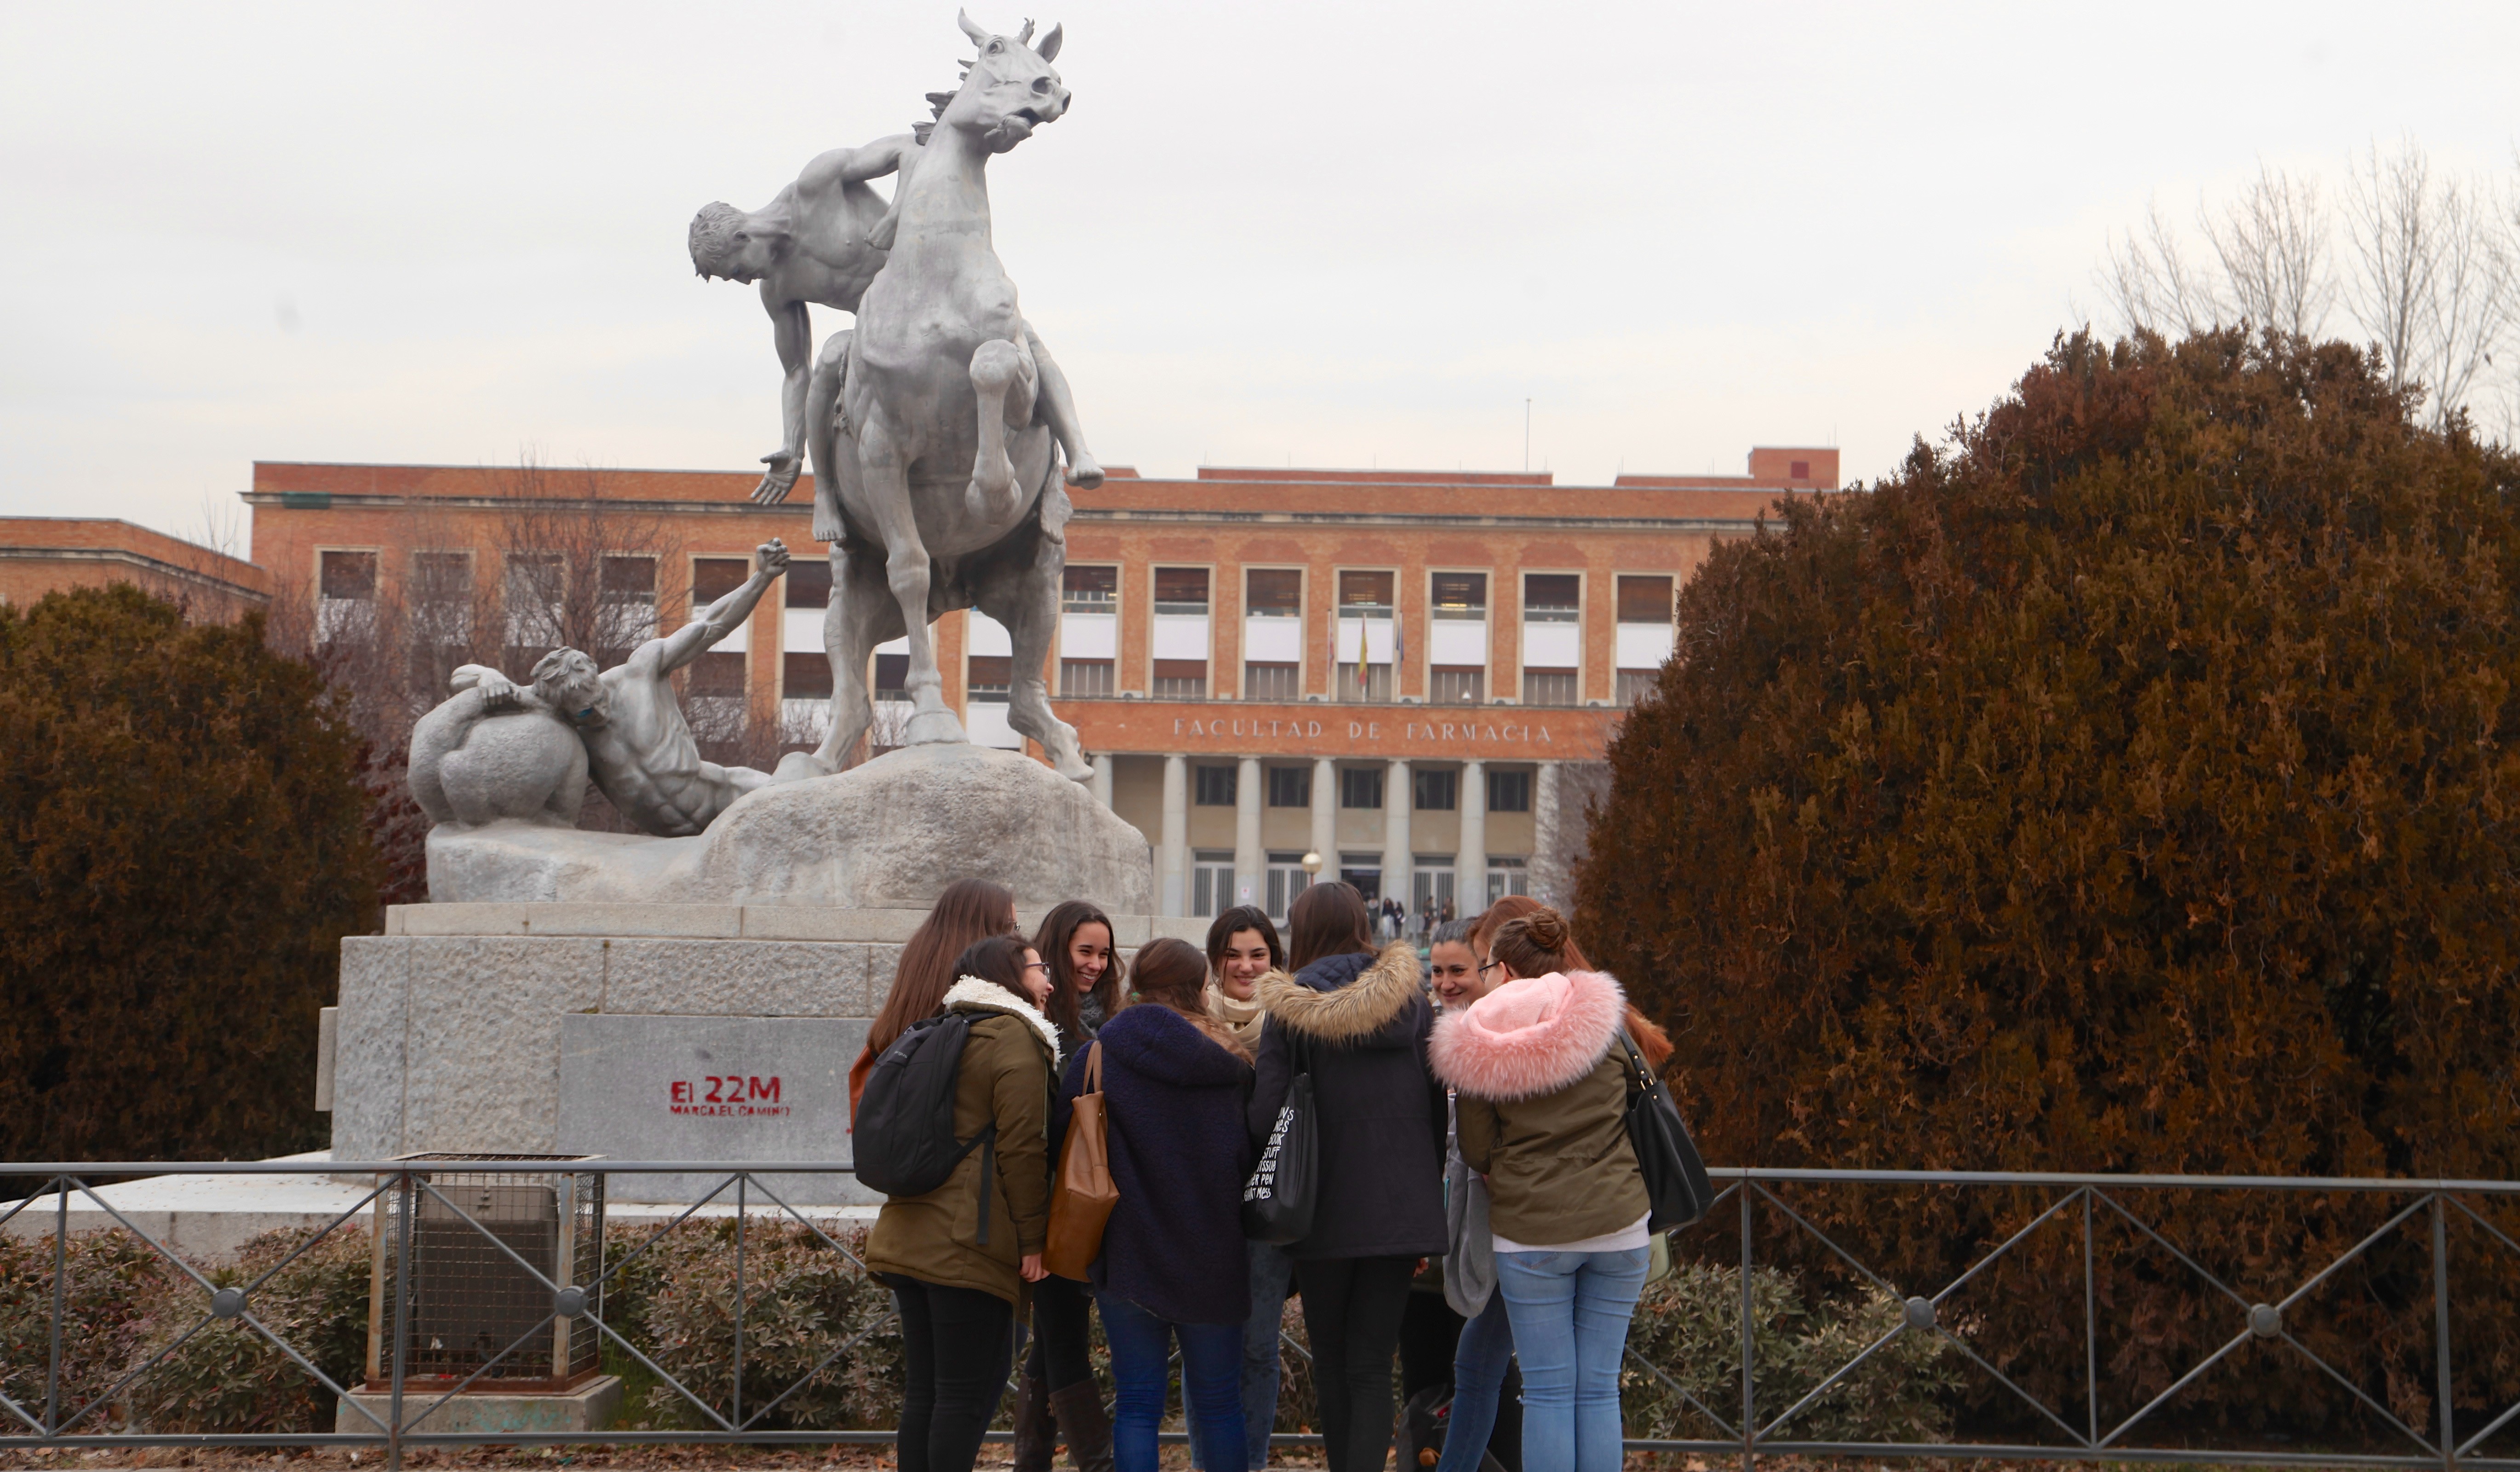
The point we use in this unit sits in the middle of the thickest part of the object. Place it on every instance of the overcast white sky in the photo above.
(1328, 234)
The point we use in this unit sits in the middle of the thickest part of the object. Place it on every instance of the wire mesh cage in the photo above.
(474, 1313)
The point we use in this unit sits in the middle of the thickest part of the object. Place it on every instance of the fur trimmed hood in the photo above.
(988, 996)
(1530, 1037)
(1349, 999)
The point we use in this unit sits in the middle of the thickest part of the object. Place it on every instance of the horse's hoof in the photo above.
(932, 728)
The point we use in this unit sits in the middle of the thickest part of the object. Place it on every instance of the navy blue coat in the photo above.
(1174, 1100)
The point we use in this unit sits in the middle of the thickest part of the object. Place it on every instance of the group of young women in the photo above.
(1472, 1148)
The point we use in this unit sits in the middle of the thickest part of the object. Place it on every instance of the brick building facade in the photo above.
(40, 554)
(1387, 668)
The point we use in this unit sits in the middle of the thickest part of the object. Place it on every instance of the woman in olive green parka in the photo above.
(958, 1286)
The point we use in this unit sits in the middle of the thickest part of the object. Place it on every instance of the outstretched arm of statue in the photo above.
(1057, 409)
(720, 618)
(498, 692)
(855, 165)
(792, 332)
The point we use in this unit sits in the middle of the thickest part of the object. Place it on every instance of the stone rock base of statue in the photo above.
(633, 1031)
(891, 832)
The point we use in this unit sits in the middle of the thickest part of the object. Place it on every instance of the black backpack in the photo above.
(904, 1126)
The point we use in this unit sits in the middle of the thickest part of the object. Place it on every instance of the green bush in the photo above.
(223, 1376)
(802, 1300)
(111, 1278)
(1688, 1326)
(2128, 786)
(186, 844)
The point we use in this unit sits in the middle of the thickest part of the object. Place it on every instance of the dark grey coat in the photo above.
(1364, 1021)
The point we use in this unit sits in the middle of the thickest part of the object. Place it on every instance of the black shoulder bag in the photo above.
(1677, 1191)
(1278, 1199)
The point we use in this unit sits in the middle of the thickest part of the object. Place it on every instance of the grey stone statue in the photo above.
(629, 727)
(937, 428)
(819, 243)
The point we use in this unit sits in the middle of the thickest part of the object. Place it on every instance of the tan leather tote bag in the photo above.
(1082, 1198)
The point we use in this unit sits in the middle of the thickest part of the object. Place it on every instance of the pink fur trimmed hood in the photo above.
(1530, 1037)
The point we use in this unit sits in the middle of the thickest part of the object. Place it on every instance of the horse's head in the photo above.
(1010, 89)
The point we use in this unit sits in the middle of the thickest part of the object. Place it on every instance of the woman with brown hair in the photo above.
(1358, 1022)
(957, 1258)
(1541, 1083)
(1057, 1392)
(1171, 1269)
(969, 910)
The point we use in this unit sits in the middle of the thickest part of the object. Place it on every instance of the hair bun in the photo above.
(1548, 928)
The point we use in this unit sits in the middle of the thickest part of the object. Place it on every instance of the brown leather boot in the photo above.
(1079, 1408)
(1036, 1434)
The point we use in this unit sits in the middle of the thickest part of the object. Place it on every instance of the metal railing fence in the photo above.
(2416, 1220)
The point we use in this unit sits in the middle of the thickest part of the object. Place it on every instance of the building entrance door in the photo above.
(1365, 871)
(1431, 891)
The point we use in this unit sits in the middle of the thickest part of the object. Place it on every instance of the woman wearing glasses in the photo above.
(957, 1258)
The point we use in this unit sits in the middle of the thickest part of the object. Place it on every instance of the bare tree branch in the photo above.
(2272, 246)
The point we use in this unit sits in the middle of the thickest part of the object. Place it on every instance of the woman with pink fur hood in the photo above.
(1541, 1111)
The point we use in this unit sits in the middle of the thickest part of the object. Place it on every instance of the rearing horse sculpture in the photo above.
(936, 429)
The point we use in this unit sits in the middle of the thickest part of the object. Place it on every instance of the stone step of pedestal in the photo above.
(589, 1408)
(205, 1219)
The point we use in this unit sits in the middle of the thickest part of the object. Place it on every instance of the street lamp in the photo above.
(1312, 866)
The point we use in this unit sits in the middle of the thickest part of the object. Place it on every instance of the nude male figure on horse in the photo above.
(639, 749)
(819, 243)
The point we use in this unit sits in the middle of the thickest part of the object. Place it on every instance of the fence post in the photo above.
(61, 1283)
(741, 1181)
(1749, 1413)
(2441, 1332)
(2091, 1329)
(401, 1322)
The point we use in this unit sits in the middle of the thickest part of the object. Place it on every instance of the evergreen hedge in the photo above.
(2128, 786)
(185, 846)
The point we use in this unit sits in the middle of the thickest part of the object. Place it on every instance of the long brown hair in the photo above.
(1059, 926)
(1171, 973)
(969, 910)
(1327, 919)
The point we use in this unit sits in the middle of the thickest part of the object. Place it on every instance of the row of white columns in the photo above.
(1399, 859)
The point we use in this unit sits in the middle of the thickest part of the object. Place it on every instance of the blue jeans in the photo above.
(1479, 1364)
(1211, 1369)
(1271, 1272)
(1570, 1311)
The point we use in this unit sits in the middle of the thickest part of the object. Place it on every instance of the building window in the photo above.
(439, 591)
(805, 675)
(989, 675)
(1508, 792)
(1645, 600)
(1181, 679)
(1181, 591)
(1089, 589)
(1374, 688)
(892, 676)
(1273, 592)
(1460, 595)
(716, 673)
(1435, 788)
(1286, 880)
(1508, 874)
(1086, 678)
(1215, 787)
(626, 598)
(1290, 787)
(1798, 470)
(1457, 684)
(1636, 684)
(808, 583)
(1365, 871)
(1549, 687)
(1360, 787)
(1551, 597)
(1211, 878)
(345, 605)
(713, 577)
(1365, 610)
(1270, 681)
